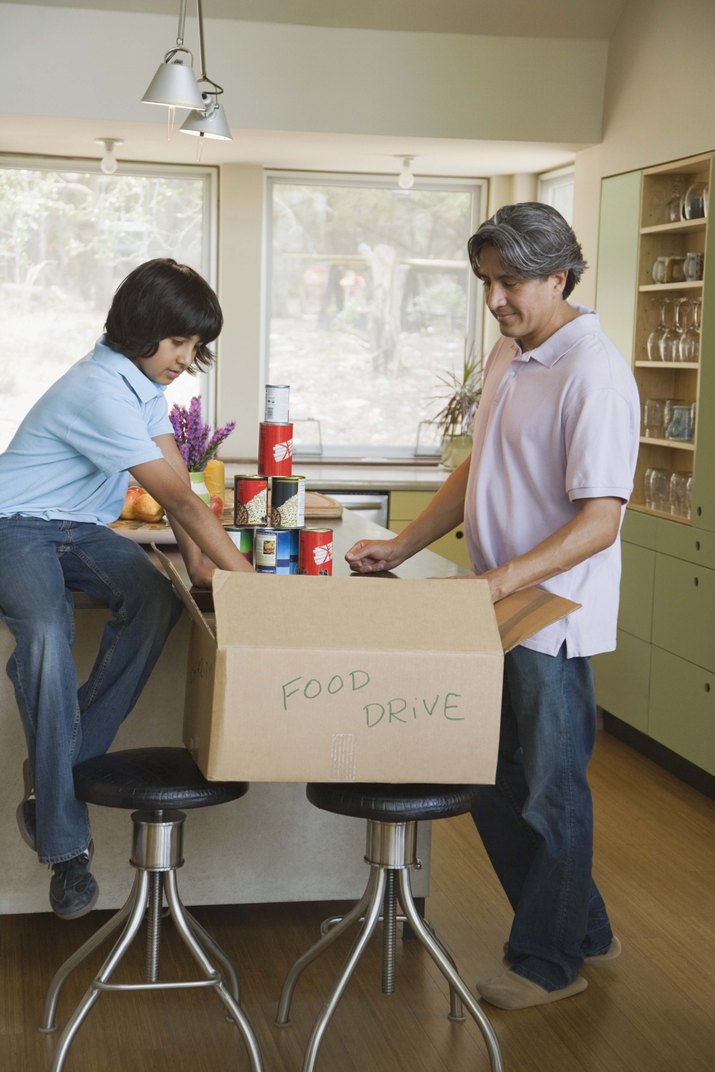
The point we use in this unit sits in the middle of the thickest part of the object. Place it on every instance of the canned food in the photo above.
(277, 395)
(288, 502)
(250, 500)
(275, 449)
(286, 550)
(315, 552)
(265, 550)
(242, 537)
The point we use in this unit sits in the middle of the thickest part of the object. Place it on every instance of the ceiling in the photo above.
(585, 19)
(594, 19)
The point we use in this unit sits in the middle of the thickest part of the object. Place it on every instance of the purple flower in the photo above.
(196, 443)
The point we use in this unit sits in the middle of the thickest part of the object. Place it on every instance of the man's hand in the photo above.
(375, 556)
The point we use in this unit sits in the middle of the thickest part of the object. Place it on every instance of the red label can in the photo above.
(315, 552)
(275, 449)
(250, 500)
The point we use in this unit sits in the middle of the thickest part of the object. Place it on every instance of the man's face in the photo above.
(529, 310)
(173, 356)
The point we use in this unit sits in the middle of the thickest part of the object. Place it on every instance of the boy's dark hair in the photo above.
(160, 300)
(533, 241)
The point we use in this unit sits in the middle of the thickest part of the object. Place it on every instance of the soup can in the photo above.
(288, 502)
(286, 550)
(242, 537)
(265, 550)
(275, 449)
(250, 500)
(277, 408)
(315, 552)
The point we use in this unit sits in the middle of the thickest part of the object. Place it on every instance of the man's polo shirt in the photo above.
(554, 425)
(69, 457)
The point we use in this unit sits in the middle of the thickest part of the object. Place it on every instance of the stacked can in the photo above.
(275, 433)
(279, 541)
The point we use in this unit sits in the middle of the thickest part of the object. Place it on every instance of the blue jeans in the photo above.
(41, 563)
(536, 822)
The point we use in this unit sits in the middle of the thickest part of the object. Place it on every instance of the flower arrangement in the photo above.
(195, 440)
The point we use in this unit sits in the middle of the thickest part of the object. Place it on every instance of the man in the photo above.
(542, 498)
(63, 478)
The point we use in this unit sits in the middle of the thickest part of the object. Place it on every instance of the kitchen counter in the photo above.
(272, 845)
(358, 477)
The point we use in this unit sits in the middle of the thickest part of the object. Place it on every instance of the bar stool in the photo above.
(392, 813)
(156, 781)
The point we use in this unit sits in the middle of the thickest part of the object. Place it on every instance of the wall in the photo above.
(660, 88)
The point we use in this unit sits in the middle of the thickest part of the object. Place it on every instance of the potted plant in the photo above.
(198, 446)
(454, 420)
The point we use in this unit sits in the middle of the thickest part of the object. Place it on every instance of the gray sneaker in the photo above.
(73, 888)
(25, 813)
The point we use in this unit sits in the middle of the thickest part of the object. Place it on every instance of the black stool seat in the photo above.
(389, 803)
(150, 779)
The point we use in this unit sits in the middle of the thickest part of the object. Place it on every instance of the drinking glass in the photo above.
(659, 269)
(695, 201)
(690, 339)
(689, 497)
(681, 422)
(657, 489)
(693, 266)
(654, 418)
(679, 493)
(653, 342)
(670, 340)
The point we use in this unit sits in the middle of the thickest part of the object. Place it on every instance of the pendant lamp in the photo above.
(209, 119)
(174, 84)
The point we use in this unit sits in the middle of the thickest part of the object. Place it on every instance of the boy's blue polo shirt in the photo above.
(69, 457)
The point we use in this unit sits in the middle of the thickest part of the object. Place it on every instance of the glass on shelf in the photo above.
(681, 425)
(654, 418)
(678, 493)
(670, 340)
(653, 342)
(690, 338)
(693, 266)
(695, 201)
(656, 489)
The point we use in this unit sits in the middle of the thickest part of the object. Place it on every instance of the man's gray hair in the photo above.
(533, 241)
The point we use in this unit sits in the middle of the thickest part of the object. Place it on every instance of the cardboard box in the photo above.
(351, 678)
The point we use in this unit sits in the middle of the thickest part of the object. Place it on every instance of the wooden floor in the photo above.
(653, 1010)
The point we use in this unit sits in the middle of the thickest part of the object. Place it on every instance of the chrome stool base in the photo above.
(156, 854)
(390, 854)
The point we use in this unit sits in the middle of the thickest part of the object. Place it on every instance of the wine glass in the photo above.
(653, 342)
(690, 339)
(670, 340)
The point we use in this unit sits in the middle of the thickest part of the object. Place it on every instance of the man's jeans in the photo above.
(536, 822)
(41, 562)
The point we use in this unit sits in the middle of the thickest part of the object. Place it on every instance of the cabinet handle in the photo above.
(459, 535)
(707, 686)
(696, 582)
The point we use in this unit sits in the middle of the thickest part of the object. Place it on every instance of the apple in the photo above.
(216, 505)
(140, 506)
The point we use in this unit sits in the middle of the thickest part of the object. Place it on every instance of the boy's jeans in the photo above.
(41, 562)
(536, 822)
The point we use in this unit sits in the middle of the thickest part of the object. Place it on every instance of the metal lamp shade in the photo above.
(174, 86)
(208, 122)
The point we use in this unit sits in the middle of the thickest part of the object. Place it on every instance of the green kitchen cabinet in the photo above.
(661, 679)
(406, 505)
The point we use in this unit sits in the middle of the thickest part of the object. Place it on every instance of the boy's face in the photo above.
(173, 357)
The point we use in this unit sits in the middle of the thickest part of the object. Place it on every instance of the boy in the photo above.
(63, 478)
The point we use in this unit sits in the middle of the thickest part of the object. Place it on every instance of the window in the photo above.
(370, 301)
(556, 189)
(68, 236)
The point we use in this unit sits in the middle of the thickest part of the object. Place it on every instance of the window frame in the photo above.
(478, 187)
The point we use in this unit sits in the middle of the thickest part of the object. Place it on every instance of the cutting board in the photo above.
(321, 506)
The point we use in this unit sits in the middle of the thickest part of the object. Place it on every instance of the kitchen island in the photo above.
(270, 846)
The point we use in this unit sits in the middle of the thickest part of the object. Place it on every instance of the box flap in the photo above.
(524, 613)
(262, 610)
(182, 591)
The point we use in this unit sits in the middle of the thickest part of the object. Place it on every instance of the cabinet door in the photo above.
(618, 258)
(635, 613)
(406, 505)
(682, 709)
(622, 679)
(704, 475)
(684, 610)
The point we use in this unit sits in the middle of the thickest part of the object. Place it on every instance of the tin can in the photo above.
(250, 500)
(276, 411)
(286, 550)
(288, 502)
(265, 547)
(275, 449)
(315, 552)
(242, 537)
